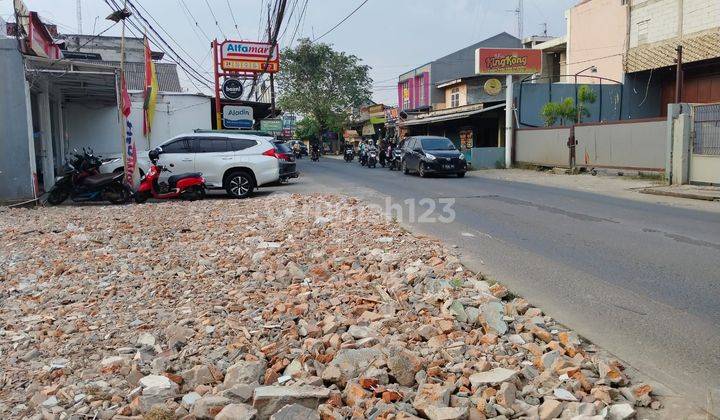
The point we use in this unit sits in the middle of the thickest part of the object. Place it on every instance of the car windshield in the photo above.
(437, 144)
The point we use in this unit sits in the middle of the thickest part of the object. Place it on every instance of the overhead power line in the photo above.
(197, 25)
(215, 19)
(233, 19)
(342, 21)
(158, 40)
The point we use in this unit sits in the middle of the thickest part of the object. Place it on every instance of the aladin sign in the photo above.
(507, 61)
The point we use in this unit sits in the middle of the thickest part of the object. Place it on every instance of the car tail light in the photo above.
(283, 156)
(271, 153)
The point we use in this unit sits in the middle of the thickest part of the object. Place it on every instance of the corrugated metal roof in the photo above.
(168, 79)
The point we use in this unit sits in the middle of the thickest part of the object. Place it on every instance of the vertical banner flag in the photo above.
(151, 91)
(132, 172)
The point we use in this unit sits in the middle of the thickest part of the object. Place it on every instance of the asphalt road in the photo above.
(638, 279)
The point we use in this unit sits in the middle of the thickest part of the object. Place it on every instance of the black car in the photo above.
(288, 168)
(432, 155)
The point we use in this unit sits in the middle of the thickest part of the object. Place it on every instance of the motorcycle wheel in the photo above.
(141, 197)
(57, 196)
(194, 193)
(116, 194)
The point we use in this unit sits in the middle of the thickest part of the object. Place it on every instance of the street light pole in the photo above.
(508, 120)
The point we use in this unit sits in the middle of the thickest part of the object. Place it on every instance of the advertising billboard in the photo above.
(248, 56)
(507, 61)
(237, 116)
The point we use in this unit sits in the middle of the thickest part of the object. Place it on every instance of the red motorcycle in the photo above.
(188, 186)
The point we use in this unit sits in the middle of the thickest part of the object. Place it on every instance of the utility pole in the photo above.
(272, 75)
(520, 15)
(79, 17)
(679, 76)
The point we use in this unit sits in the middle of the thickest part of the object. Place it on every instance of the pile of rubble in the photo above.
(261, 309)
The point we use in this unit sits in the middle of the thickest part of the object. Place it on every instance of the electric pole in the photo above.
(520, 14)
(272, 75)
(79, 16)
(679, 74)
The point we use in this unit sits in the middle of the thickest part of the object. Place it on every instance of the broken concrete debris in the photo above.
(257, 309)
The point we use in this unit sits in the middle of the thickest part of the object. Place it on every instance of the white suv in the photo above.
(237, 163)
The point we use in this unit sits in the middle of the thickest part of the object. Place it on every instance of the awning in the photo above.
(77, 81)
(449, 117)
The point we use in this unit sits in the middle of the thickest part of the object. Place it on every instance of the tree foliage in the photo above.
(322, 84)
(566, 111)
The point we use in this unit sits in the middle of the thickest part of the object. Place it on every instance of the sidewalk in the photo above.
(694, 192)
(626, 187)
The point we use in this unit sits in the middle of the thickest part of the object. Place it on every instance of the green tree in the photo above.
(566, 111)
(322, 84)
(563, 111)
(586, 96)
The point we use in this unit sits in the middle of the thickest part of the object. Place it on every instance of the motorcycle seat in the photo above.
(98, 180)
(173, 180)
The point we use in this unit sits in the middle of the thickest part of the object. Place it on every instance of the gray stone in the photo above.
(564, 395)
(200, 375)
(240, 393)
(352, 362)
(575, 409)
(493, 376)
(295, 412)
(209, 407)
(620, 412)
(156, 390)
(458, 311)
(446, 413)
(244, 372)
(401, 367)
(190, 399)
(549, 358)
(146, 340)
(237, 412)
(473, 315)
(358, 331)
(269, 400)
(492, 313)
(550, 409)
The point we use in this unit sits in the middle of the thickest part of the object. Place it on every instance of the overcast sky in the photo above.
(391, 36)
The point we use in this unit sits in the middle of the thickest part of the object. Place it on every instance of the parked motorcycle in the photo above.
(187, 186)
(83, 182)
(395, 159)
(315, 155)
(349, 155)
(372, 158)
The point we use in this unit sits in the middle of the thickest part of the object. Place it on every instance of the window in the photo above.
(209, 145)
(241, 144)
(642, 31)
(455, 97)
(177, 146)
(421, 91)
(405, 95)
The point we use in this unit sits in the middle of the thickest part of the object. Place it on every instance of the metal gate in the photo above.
(707, 129)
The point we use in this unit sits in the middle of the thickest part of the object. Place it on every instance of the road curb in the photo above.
(680, 194)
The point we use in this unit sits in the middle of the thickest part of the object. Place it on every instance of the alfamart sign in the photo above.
(246, 56)
(507, 61)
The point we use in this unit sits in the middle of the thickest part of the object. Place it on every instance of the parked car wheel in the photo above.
(421, 171)
(239, 184)
(461, 174)
(405, 169)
